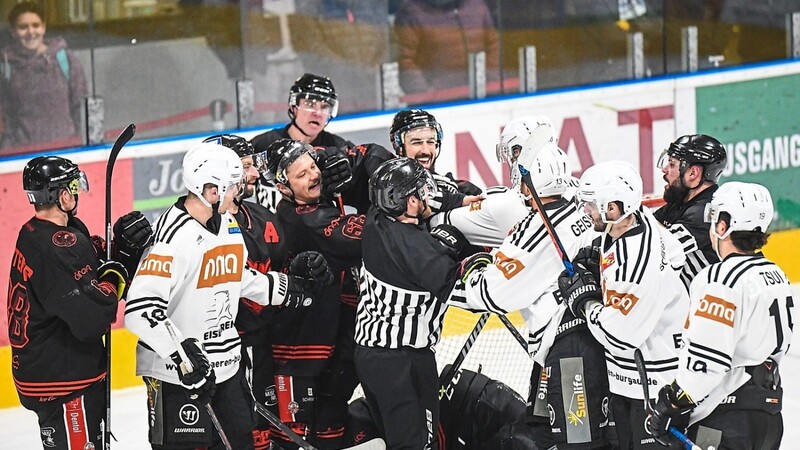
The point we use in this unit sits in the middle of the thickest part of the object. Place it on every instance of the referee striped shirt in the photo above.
(405, 279)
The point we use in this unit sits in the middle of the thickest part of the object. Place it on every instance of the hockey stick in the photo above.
(514, 332)
(123, 139)
(186, 367)
(538, 138)
(639, 359)
(548, 225)
(372, 444)
(447, 381)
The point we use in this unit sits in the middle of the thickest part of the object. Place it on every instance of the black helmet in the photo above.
(698, 149)
(43, 176)
(242, 147)
(394, 180)
(408, 120)
(313, 87)
(281, 154)
(236, 143)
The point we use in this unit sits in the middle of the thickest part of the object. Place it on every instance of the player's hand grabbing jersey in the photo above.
(525, 272)
(741, 314)
(194, 277)
(644, 306)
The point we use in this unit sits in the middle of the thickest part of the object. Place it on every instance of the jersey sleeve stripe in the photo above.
(705, 357)
(620, 344)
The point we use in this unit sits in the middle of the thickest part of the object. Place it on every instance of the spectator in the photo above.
(434, 40)
(347, 40)
(42, 84)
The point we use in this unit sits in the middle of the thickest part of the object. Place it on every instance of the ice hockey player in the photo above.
(523, 275)
(417, 135)
(633, 298)
(183, 302)
(691, 166)
(313, 347)
(728, 387)
(407, 275)
(266, 251)
(312, 105)
(62, 298)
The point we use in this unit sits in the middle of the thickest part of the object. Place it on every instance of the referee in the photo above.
(406, 277)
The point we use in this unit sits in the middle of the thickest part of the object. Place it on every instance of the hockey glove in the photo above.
(452, 239)
(589, 258)
(312, 266)
(464, 186)
(578, 290)
(132, 231)
(99, 245)
(113, 277)
(475, 262)
(336, 170)
(196, 374)
(298, 292)
(672, 408)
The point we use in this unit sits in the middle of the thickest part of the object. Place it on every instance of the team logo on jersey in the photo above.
(354, 226)
(63, 238)
(509, 266)
(716, 309)
(622, 301)
(607, 261)
(220, 265)
(156, 265)
(476, 206)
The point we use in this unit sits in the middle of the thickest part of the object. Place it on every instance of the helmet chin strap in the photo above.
(71, 211)
(294, 124)
(419, 216)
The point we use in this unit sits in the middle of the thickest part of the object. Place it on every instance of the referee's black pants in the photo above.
(401, 387)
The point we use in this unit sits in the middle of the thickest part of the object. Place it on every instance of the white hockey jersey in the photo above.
(740, 316)
(526, 266)
(489, 221)
(194, 278)
(644, 306)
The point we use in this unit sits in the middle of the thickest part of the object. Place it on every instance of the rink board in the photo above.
(746, 108)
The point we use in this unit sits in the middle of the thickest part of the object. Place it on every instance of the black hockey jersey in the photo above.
(57, 312)
(266, 250)
(324, 139)
(687, 223)
(268, 195)
(406, 278)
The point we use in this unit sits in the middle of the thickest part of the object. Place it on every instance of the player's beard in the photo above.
(675, 192)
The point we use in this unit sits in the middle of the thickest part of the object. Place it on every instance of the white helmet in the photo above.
(612, 181)
(550, 171)
(749, 205)
(210, 163)
(520, 142)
